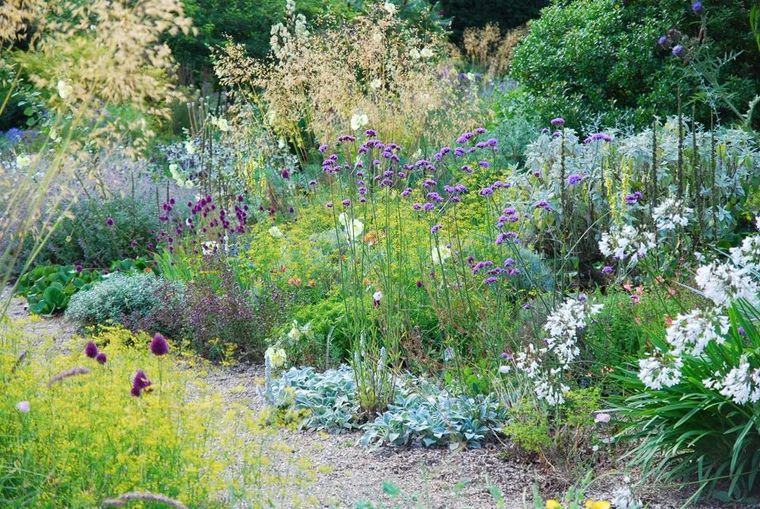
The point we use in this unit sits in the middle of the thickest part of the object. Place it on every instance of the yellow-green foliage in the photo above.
(85, 439)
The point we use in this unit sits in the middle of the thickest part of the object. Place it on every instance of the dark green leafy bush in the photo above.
(598, 62)
(90, 239)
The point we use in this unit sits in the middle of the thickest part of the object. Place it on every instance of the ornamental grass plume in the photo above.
(143, 496)
(79, 370)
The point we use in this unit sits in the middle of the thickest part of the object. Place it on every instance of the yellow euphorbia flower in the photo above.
(597, 504)
(553, 504)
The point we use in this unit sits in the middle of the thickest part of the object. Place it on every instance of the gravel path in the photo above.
(347, 473)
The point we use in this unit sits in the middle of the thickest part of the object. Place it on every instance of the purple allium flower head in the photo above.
(662, 41)
(679, 51)
(109, 221)
(574, 179)
(139, 382)
(607, 269)
(159, 346)
(436, 228)
(91, 350)
(101, 358)
(284, 173)
(559, 121)
(696, 7)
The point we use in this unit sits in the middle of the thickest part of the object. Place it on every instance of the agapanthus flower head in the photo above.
(679, 50)
(91, 350)
(697, 8)
(159, 346)
(663, 41)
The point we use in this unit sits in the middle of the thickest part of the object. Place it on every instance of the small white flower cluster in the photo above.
(690, 333)
(626, 242)
(741, 384)
(562, 327)
(660, 371)
(670, 214)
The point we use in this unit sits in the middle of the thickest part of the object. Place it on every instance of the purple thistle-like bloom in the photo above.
(322, 148)
(91, 350)
(574, 179)
(346, 202)
(484, 164)
(370, 133)
(109, 221)
(559, 121)
(329, 204)
(490, 280)
(159, 345)
(285, 173)
(417, 206)
(607, 269)
(486, 191)
(428, 206)
(696, 7)
(679, 51)
(509, 262)
(542, 204)
(459, 152)
(633, 198)
(406, 192)
(480, 130)
(436, 228)
(101, 358)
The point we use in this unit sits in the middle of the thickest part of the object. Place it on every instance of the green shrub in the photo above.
(598, 61)
(88, 237)
(116, 298)
(49, 288)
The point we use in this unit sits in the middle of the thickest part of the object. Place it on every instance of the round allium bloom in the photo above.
(101, 358)
(109, 221)
(679, 51)
(697, 8)
(91, 350)
(23, 407)
(559, 121)
(159, 345)
(662, 41)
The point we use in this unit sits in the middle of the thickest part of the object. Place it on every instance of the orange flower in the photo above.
(312, 283)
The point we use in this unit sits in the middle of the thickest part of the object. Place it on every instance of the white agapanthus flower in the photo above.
(747, 256)
(545, 366)
(626, 242)
(691, 332)
(670, 214)
(659, 372)
(741, 384)
(725, 282)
